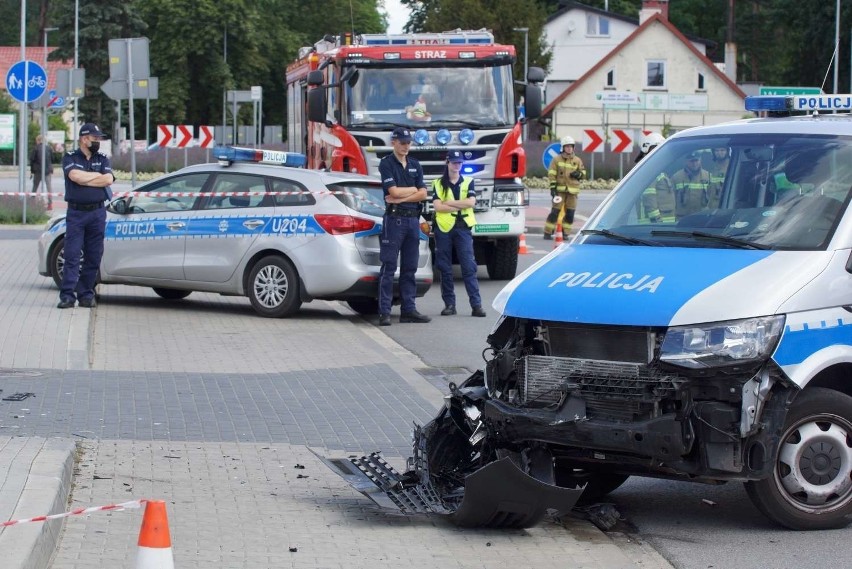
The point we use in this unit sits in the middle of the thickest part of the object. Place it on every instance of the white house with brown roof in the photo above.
(579, 36)
(669, 83)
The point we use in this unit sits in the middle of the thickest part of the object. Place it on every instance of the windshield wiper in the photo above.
(619, 237)
(741, 243)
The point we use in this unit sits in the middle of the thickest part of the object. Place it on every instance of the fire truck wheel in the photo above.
(502, 261)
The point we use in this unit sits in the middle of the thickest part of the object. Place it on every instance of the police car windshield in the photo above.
(776, 191)
(477, 94)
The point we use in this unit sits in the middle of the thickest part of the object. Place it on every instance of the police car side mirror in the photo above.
(119, 206)
(849, 264)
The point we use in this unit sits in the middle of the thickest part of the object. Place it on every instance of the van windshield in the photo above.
(769, 192)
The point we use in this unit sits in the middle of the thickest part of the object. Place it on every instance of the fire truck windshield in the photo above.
(412, 96)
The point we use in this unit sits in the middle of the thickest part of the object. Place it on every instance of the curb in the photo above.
(37, 482)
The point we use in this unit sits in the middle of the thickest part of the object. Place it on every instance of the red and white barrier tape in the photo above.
(360, 199)
(77, 512)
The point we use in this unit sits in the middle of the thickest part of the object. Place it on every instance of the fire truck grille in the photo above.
(614, 389)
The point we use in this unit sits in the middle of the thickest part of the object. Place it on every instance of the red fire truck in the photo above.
(453, 90)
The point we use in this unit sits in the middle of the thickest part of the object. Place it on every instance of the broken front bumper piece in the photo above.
(499, 494)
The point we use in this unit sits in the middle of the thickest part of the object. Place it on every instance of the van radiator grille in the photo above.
(613, 388)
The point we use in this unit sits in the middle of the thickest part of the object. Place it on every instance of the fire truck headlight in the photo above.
(421, 137)
(466, 136)
(443, 137)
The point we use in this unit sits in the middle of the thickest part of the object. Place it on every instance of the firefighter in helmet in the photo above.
(657, 203)
(565, 173)
(691, 186)
(718, 168)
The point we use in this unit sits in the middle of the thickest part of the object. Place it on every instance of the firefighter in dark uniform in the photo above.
(690, 186)
(454, 196)
(565, 173)
(88, 175)
(405, 190)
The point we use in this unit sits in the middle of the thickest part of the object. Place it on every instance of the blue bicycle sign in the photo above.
(26, 81)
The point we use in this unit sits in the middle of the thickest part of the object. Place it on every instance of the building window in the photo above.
(701, 82)
(610, 79)
(597, 25)
(656, 75)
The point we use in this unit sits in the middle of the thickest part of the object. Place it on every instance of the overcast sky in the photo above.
(397, 16)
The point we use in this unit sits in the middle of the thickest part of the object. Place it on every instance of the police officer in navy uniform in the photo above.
(88, 175)
(454, 196)
(405, 190)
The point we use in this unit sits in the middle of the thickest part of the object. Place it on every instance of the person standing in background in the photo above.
(41, 160)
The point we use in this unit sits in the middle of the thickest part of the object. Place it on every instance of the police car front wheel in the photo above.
(273, 287)
(811, 485)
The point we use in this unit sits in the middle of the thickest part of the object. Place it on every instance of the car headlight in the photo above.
(443, 137)
(722, 343)
(421, 137)
(508, 199)
(466, 136)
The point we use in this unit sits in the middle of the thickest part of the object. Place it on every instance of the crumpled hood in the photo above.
(657, 286)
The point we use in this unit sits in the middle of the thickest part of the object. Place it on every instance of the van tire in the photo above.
(814, 457)
(598, 484)
(273, 287)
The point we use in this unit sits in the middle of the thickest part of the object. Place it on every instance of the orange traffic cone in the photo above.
(155, 545)
(522, 245)
(558, 240)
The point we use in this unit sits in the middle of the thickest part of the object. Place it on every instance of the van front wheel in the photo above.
(810, 487)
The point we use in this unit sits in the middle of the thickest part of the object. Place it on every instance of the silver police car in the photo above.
(279, 235)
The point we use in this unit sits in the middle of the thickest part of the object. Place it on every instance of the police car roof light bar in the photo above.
(227, 155)
(810, 103)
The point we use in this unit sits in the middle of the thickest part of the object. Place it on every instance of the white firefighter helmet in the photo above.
(651, 140)
(566, 140)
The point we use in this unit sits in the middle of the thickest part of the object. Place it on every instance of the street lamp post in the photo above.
(44, 126)
(76, 64)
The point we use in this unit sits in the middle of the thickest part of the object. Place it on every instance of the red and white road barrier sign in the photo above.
(205, 137)
(165, 135)
(621, 141)
(183, 135)
(593, 139)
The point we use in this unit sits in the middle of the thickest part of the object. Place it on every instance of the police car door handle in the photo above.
(252, 223)
(176, 225)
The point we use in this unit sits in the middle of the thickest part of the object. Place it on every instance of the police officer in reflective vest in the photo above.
(88, 175)
(404, 188)
(565, 173)
(453, 197)
(657, 203)
(690, 187)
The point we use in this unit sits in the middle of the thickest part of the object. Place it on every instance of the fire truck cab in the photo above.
(453, 90)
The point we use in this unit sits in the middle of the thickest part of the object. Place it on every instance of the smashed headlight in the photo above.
(722, 343)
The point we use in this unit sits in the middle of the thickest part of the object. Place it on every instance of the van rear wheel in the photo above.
(811, 485)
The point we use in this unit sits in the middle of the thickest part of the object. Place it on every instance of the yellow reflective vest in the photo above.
(447, 220)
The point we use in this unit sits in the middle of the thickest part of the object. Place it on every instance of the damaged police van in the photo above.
(698, 328)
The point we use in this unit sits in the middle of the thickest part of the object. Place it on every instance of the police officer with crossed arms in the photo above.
(88, 175)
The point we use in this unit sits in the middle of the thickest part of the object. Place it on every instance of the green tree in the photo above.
(98, 23)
